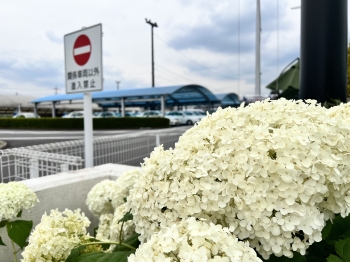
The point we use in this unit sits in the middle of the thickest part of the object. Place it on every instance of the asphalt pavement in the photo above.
(22, 138)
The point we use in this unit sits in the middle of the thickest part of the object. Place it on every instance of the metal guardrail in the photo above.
(119, 149)
(47, 159)
(20, 164)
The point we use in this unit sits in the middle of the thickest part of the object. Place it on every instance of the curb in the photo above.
(3, 144)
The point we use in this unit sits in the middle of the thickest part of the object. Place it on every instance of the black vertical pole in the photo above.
(152, 25)
(323, 50)
(152, 60)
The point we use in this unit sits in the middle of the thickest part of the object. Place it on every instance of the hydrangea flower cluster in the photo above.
(125, 183)
(194, 241)
(99, 199)
(272, 173)
(56, 235)
(109, 226)
(107, 200)
(103, 230)
(342, 111)
(14, 197)
(107, 195)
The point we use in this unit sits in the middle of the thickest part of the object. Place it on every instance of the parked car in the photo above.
(183, 117)
(199, 113)
(74, 114)
(150, 113)
(106, 114)
(26, 115)
(126, 114)
(174, 117)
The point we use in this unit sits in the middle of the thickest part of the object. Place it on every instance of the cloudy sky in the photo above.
(205, 42)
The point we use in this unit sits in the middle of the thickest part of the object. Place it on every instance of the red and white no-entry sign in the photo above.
(83, 60)
(82, 50)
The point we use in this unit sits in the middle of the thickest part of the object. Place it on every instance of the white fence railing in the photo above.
(20, 164)
(119, 149)
(47, 159)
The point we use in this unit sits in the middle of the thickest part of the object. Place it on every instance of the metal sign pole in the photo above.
(83, 72)
(88, 136)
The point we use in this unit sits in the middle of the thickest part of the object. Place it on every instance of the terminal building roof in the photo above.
(174, 95)
(228, 99)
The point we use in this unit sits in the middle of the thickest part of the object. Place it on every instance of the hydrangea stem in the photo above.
(14, 251)
(177, 259)
(121, 232)
(112, 243)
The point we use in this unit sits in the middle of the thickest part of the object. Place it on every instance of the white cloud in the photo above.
(32, 51)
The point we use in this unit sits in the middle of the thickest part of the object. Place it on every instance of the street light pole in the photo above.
(257, 49)
(152, 25)
(117, 84)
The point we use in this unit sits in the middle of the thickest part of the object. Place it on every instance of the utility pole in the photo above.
(257, 49)
(152, 25)
(56, 90)
(117, 84)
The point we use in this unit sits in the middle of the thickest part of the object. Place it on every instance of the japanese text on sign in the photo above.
(83, 73)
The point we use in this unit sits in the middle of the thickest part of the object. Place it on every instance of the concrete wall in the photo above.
(65, 190)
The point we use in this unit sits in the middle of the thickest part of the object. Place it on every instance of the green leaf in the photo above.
(2, 243)
(105, 257)
(296, 258)
(340, 229)
(3, 223)
(132, 241)
(333, 258)
(91, 257)
(315, 259)
(321, 250)
(327, 229)
(75, 253)
(19, 214)
(18, 231)
(342, 247)
(128, 216)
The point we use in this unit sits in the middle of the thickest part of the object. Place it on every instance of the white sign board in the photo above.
(83, 60)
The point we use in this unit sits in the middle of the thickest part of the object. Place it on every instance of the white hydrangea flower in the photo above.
(99, 199)
(125, 183)
(103, 231)
(191, 240)
(56, 235)
(14, 197)
(267, 172)
(107, 195)
(128, 227)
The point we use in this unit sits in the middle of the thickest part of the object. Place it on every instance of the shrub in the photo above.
(78, 123)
